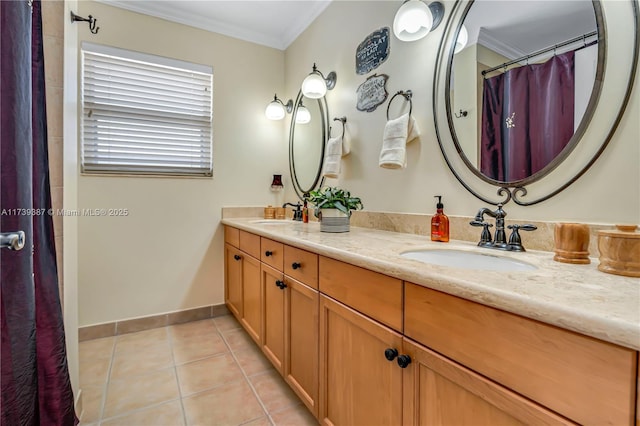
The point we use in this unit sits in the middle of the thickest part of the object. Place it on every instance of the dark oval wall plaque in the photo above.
(373, 51)
(372, 92)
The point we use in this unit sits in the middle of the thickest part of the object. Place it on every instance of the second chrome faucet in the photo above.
(499, 241)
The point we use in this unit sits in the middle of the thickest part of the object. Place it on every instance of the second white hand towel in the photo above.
(332, 158)
(397, 134)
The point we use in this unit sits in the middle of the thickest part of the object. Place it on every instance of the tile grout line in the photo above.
(175, 370)
(244, 374)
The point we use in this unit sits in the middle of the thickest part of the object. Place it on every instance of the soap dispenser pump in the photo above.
(440, 223)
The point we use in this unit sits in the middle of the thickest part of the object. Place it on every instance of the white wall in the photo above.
(167, 255)
(608, 193)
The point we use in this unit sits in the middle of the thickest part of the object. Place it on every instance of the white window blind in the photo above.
(144, 114)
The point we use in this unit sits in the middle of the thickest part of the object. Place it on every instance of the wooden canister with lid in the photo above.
(620, 251)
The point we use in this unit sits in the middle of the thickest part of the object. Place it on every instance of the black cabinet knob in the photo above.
(281, 284)
(404, 361)
(390, 354)
(237, 257)
(268, 253)
(296, 265)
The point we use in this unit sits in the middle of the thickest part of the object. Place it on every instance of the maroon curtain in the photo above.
(35, 381)
(527, 118)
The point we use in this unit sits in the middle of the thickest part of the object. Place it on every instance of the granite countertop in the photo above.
(574, 297)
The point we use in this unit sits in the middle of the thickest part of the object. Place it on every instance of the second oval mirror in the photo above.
(307, 138)
(523, 85)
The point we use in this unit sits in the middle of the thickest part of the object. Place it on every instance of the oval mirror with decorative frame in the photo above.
(535, 96)
(307, 141)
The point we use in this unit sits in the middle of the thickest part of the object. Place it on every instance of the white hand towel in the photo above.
(397, 134)
(332, 155)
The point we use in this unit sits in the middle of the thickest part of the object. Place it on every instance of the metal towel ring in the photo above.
(343, 120)
(408, 94)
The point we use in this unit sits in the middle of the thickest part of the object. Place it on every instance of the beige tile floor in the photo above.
(205, 373)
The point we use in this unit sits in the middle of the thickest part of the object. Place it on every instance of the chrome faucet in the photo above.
(499, 241)
(297, 213)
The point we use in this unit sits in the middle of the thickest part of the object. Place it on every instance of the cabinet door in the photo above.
(438, 391)
(273, 316)
(251, 297)
(233, 280)
(358, 385)
(301, 337)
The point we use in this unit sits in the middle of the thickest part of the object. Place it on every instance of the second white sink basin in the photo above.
(462, 259)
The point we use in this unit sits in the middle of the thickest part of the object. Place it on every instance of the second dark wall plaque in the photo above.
(373, 51)
(372, 92)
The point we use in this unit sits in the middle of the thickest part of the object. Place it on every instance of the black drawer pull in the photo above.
(404, 361)
(237, 257)
(268, 253)
(296, 265)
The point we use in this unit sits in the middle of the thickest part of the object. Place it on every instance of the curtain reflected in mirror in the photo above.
(526, 78)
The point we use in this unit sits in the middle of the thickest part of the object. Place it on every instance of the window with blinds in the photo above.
(143, 114)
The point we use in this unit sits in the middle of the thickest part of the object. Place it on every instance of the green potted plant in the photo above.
(333, 207)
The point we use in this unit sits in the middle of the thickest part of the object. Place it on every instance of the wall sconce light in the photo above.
(303, 116)
(461, 41)
(415, 19)
(276, 109)
(315, 85)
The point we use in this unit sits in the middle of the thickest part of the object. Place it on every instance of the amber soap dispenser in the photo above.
(440, 223)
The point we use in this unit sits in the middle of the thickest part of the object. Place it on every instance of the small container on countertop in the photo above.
(269, 212)
(620, 251)
(571, 243)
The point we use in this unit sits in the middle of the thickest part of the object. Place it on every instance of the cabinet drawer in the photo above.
(232, 236)
(584, 379)
(250, 244)
(272, 253)
(301, 265)
(371, 293)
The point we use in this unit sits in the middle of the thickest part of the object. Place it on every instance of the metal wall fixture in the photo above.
(276, 109)
(415, 19)
(90, 20)
(343, 120)
(315, 85)
(461, 114)
(407, 95)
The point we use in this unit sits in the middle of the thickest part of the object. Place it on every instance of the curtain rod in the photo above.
(540, 52)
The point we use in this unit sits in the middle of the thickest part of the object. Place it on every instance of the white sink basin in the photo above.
(274, 221)
(468, 260)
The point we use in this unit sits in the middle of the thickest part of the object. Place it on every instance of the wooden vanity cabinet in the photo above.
(242, 279)
(290, 317)
(586, 380)
(273, 316)
(301, 364)
(439, 392)
(336, 333)
(358, 384)
(233, 280)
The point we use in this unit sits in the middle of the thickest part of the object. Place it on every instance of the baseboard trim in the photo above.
(146, 323)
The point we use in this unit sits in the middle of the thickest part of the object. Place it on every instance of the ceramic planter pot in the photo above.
(333, 220)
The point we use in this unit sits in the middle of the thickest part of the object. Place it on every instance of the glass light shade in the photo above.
(274, 111)
(413, 21)
(303, 116)
(461, 41)
(314, 86)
